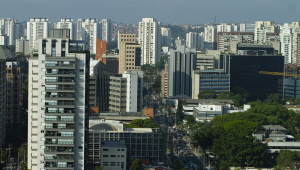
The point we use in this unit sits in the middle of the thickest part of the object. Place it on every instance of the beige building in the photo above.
(113, 155)
(130, 53)
(208, 60)
(22, 45)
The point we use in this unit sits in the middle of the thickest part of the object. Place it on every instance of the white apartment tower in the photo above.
(295, 30)
(165, 36)
(263, 27)
(69, 24)
(37, 28)
(194, 40)
(210, 34)
(89, 30)
(106, 30)
(58, 89)
(22, 45)
(149, 33)
(286, 42)
(227, 27)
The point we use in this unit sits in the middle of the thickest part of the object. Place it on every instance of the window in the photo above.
(81, 70)
(105, 150)
(122, 156)
(42, 131)
(112, 163)
(112, 155)
(105, 155)
(105, 163)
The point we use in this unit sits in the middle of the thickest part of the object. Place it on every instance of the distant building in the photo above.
(165, 36)
(4, 39)
(69, 24)
(126, 92)
(227, 41)
(113, 155)
(210, 34)
(106, 30)
(286, 42)
(179, 42)
(194, 40)
(14, 99)
(263, 27)
(180, 66)
(247, 27)
(150, 40)
(37, 28)
(227, 27)
(208, 60)
(164, 82)
(216, 80)
(22, 45)
(100, 49)
(130, 53)
(112, 62)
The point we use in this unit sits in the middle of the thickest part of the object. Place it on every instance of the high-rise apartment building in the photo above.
(22, 45)
(3, 39)
(229, 40)
(126, 92)
(58, 103)
(100, 49)
(165, 36)
(194, 40)
(37, 28)
(295, 30)
(227, 27)
(130, 53)
(286, 39)
(263, 27)
(210, 34)
(106, 30)
(149, 32)
(67, 23)
(247, 27)
(14, 99)
(4, 53)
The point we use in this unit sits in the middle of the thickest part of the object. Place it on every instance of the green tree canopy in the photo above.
(287, 158)
(137, 165)
(140, 123)
(207, 94)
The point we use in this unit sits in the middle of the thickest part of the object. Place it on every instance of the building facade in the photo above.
(58, 97)
(180, 66)
(67, 23)
(149, 37)
(22, 45)
(14, 98)
(286, 39)
(37, 28)
(144, 143)
(126, 92)
(229, 40)
(194, 40)
(113, 155)
(165, 36)
(130, 53)
(210, 34)
(106, 30)
(4, 53)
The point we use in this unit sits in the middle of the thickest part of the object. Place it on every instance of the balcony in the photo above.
(59, 80)
(59, 103)
(60, 73)
(60, 65)
(60, 111)
(59, 149)
(65, 55)
(56, 165)
(60, 96)
(59, 142)
(59, 120)
(57, 134)
(60, 157)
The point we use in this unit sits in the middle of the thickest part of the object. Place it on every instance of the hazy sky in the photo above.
(165, 11)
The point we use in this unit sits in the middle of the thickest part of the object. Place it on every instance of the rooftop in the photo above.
(119, 144)
(273, 127)
(209, 101)
(5, 52)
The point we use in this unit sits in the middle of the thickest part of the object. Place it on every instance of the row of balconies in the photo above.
(56, 165)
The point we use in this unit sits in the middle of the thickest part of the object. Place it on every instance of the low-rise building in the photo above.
(144, 143)
(113, 155)
(277, 138)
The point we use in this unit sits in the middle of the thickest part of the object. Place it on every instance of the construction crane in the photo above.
(279, 74)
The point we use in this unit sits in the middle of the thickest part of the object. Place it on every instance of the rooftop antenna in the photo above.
(215, 19)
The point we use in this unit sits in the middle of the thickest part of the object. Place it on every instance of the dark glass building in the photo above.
(244, 72)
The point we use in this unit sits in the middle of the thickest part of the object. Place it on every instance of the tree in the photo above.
(169, 110)
(225, 95)
(137, 165)
(273, 98)
(140, 123)
(98, 167)
(287, 159)
(207, 94)
(204, 136)
(22, 152)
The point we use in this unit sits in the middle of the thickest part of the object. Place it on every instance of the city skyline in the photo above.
(167, 11)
